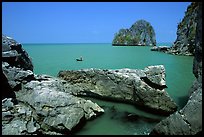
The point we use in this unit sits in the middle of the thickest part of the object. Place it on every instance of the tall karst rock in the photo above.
(186, 32)
(141, 33)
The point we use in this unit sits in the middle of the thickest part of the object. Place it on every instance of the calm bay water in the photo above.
(51, 58)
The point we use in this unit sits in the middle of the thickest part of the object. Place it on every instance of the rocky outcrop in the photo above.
(188, 120)
(44, 107)
(141, 33)
(14, 54)
(186, 32)
(38, 104)
(145, 88)
(17, 66)
(160, 48)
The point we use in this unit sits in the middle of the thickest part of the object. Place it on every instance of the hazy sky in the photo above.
(87, 22)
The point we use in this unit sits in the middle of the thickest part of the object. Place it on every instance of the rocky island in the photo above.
(141, 33)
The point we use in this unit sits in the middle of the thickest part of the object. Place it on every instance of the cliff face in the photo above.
(16, 66)
(197, 63)
(188, 121)
(186, 31)
(141, 33)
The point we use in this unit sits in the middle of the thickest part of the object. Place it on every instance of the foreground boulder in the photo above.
(188, 120)
(141, 33)
(145, 88)
(44, 107)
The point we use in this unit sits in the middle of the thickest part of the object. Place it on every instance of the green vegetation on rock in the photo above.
(185, 41)
(141, 33)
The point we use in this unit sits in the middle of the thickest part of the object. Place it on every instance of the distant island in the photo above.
(141, 33)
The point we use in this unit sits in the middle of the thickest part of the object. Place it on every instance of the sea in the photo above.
(50, 58)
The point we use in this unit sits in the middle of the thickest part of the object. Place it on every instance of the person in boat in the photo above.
(81, 59)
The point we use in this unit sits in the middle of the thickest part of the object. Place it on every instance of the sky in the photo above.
(87, 22)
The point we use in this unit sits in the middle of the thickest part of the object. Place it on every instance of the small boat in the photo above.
(81, 59)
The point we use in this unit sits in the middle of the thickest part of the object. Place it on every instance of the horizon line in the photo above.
(77, 42)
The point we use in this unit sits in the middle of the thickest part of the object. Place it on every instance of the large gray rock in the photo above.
(141, 33)
(144, 88)
(14, 54)
(46, 107)
(17, 119)
(188, 121)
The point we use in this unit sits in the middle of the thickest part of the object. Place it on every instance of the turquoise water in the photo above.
(51, 58)
(114, 122)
